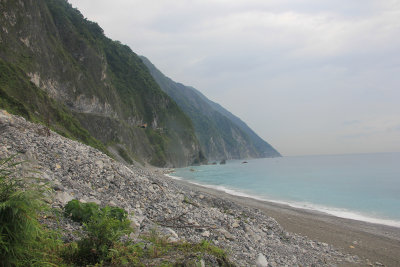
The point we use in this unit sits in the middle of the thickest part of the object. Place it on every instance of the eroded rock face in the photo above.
(77, 171)
(101, 83)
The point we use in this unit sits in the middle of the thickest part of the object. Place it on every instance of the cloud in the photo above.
(287, 67)
(352, 122)
(395, 128)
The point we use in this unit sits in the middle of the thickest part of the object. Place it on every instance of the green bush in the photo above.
(104, 228)
(81, 212)
(103, 233)
(127, 254)
(23, 241)
(116, 212)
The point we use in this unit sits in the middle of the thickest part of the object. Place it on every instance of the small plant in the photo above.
(126, 254)
(81, 212)
(182, 252)
(186, 200)
(23, 241)
(104, 228)
(205, 246)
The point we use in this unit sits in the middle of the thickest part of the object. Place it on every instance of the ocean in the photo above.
(364, 187)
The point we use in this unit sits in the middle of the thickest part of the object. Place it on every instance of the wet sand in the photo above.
(374, 243)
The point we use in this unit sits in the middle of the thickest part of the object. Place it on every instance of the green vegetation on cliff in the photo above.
(221, 134)
(21, 97)
(66, 64)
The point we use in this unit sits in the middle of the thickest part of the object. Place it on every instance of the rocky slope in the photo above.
(59, 68)
(78, 171)
(221, 134)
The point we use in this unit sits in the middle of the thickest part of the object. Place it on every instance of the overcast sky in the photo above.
(309, 76)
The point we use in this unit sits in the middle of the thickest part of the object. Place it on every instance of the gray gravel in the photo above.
(157, 202)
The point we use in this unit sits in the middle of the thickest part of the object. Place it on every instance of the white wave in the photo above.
(344, 213)
(174, 177)
(341, 213)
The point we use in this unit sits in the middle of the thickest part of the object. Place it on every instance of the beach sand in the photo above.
(374, 243)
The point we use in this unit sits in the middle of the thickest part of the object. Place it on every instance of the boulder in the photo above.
(261, 261)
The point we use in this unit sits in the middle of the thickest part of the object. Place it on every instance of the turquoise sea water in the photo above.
(363, 186)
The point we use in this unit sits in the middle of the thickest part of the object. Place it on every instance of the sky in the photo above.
(308, 76)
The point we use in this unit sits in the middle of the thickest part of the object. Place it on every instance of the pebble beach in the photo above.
(253, 232)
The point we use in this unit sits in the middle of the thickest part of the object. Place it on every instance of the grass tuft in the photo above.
(23, 240)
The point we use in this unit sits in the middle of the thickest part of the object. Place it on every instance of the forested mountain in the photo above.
(221, 134)
(60, 69)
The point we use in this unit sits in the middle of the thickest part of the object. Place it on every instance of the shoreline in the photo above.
(335, 212)
(245, 228)
(373, 243)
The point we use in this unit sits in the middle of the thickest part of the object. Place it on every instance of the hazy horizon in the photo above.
(310, 77)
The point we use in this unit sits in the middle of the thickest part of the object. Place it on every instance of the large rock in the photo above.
(63, 197)
(226, 234)
(261, 261)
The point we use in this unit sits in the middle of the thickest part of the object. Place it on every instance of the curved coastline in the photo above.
(337, 212)
(371, 241)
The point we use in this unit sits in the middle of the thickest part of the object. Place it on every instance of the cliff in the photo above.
(221, 134)
(59, 69)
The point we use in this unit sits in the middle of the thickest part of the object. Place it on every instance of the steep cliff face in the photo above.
(221, 134)
(98, 82)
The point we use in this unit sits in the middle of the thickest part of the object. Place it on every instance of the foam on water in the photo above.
(341, 213)
(251, 189)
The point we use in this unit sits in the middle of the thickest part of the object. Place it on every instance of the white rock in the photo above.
(324, 245)
(90, 199)
(205, 234)
(63, 197)
(261, 261)
(172, 239)
(135, 225)
(172, 233)
(235, 225)
(226, 234)
(99, 164)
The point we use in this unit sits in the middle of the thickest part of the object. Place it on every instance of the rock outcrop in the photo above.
(50, 55)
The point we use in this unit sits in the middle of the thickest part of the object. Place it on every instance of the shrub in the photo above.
(81, 212)
(104, 228)
(23, 241)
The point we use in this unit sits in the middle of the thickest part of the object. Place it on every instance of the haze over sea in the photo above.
(364, 187)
